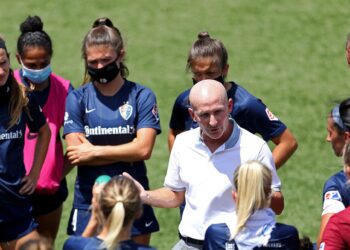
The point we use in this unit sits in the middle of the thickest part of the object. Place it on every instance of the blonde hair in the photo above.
(18, 98)
(120, 202)
(252, 182)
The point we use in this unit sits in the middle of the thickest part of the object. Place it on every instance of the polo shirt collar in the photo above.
(232, 140)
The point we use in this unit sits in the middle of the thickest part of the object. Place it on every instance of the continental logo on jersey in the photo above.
(125, 111)
(155, 112)
(270, 115)
(11, 135)
(332, 195)
(109, 131)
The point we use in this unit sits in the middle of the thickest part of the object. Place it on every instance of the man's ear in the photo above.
(191, 112)
(230, 105)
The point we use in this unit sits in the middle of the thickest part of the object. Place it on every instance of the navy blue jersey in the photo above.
(283, 236)
(248, 111)
(12, 168)
(109, 120)
(82, 243)
(336, 190)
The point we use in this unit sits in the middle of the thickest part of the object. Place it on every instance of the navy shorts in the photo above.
(44, 203)
(147, 224)
(16, 221)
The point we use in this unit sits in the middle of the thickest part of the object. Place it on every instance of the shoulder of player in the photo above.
(336, 180)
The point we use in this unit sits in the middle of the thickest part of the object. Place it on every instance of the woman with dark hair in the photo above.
(110, 127)
(34, 53)
(336, 194)
(17, 110)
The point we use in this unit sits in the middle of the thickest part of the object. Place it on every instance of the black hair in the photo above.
(33, 35)
(103, 32)
(344, 112)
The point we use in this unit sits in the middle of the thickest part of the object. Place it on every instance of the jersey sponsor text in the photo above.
(109, 131)
(11, 135)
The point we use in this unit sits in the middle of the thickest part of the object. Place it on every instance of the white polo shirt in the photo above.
(207, 177)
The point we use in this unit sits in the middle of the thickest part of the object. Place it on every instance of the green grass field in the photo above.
(291, 54)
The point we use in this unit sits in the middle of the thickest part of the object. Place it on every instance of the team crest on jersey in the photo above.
(125, 111)
(155, 112)
(270, 115)
(332, 195)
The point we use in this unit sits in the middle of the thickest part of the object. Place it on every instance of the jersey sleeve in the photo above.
(262, 120)
(73, 117)
(147, 111)
(265, 157)
(35, 118)
(178, 114)
(217, 237)
(332, 200)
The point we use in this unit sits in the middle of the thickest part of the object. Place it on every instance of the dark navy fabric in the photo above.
(81, 243)
(15, 208)
(44, 204)
(282, 237)
(248, 111)
(338, 183)
(109, 120)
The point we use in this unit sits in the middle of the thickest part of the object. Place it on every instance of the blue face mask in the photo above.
(36, 76)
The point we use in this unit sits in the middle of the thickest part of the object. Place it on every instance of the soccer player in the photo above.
(255, 225)
(34, 53)
(17, 110)
(110, 126)
(336, 195)
(208, 59)
(116, 204)
(202, 163)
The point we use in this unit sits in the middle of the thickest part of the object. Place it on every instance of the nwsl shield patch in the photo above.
(125, 111)
(270, 115)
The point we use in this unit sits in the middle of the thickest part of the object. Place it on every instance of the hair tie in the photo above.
(120, 199)
(337, 118)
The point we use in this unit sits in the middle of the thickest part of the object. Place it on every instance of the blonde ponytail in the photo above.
(120, 202)
(252, 181)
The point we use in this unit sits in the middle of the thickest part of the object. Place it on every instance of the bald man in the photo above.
(202, 164)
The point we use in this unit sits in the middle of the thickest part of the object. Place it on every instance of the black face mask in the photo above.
(219, 79)
(105, 74)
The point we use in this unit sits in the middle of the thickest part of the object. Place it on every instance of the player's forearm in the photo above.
(286, 144)
(41, 147)
(163, 198)
(277, 202)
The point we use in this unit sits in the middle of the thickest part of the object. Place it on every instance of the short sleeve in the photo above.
(147, 111)
(178, 114)
(73, 117)
(34, 115)
(172, 178)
